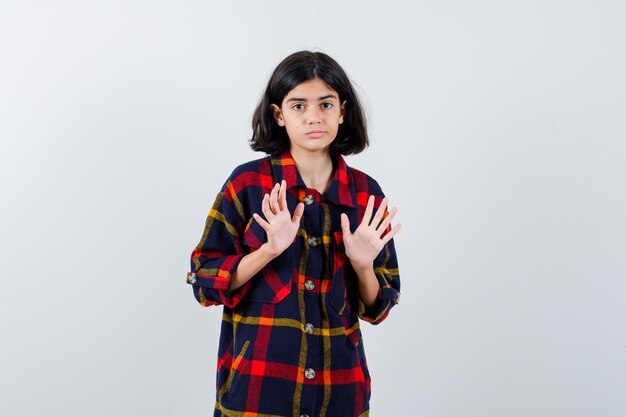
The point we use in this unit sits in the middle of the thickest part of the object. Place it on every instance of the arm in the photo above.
(373, 258)
(383, 280)
(215, 261)
(250, 265)
(221, 270)
(369, 287)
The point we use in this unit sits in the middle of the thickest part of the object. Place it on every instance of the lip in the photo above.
(315, 133)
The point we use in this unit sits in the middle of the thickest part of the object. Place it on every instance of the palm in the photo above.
(362, 246)
(280, 228)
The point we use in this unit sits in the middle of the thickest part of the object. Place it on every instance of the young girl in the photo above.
(297, 248)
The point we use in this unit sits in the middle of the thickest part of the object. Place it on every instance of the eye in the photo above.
(327, 105)
(298, 106)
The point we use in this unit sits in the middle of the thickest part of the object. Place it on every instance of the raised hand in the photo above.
(365, 243)
(280, 227)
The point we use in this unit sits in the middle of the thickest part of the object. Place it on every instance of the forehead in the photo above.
(311, 90)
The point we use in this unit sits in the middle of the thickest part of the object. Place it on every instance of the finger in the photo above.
(273, 202)
(265, 225)
(391, 234)
(265, 207)
(269, 201)
(386, 221)
(297, 214)
(345, 225)
(379, 212)
(279, 196)
(282, 195)
(367, 216)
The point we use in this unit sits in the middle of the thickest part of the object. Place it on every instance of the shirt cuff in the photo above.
(379, 311)
(214, 283)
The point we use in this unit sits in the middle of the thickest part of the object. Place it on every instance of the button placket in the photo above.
(309, 373)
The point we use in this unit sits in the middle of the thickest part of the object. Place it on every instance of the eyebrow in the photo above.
(319, 99)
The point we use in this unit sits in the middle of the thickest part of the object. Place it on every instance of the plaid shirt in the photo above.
(290, 342)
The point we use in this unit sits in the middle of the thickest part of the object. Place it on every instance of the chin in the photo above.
(314, 146)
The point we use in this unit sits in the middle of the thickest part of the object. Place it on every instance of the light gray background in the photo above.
(497, 129)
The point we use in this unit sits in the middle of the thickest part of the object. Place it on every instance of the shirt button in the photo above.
(309, 373)
(304, 415)
(312, 241)
(309, 328)
(308, 284)
(308, 200)
(191, 278)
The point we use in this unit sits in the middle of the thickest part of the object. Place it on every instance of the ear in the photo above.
(343, 111)
(278, 114)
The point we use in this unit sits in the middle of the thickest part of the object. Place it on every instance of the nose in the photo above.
(313, 115)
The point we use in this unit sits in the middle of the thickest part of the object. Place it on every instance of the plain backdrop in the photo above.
(497, 128)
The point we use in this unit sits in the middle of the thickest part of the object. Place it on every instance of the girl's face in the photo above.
(311, 114)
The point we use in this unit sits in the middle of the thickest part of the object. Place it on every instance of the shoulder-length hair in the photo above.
(269, 137)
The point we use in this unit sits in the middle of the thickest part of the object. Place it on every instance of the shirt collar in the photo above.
(341, 190)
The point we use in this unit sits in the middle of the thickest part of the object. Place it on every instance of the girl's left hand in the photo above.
(365, 243)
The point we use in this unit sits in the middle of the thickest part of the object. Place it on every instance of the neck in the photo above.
(316, 169)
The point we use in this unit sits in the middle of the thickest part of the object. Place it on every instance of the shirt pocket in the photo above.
(367, 381)
(274, 282)
(341, 276)
(236, 383)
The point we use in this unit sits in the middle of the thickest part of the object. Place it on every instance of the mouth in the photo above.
(315, 133)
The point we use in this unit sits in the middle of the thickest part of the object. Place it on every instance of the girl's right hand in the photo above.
(281, 228)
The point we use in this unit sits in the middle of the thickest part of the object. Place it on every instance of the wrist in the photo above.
(361, 268)
(268, 252)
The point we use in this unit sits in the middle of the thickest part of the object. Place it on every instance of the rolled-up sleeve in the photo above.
(216, 257)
